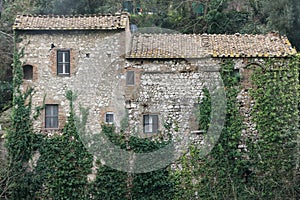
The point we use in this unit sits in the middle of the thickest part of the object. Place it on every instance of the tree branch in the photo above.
(6, 34)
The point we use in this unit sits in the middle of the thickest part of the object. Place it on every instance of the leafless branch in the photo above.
(8, 35)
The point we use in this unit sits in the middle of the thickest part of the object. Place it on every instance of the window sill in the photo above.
(63, 75)
(52, 129)
(109, 124)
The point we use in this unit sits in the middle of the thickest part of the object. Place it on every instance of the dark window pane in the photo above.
(48, 110)
(155, 123)
(146, 119)
(48, 123)
(54, 110)
(130, 78)
(109, 118)
(67, 68)
(60, 68)
(51, 116)
(55, 122)
(59, 56)
(145, 123)
(28, 72)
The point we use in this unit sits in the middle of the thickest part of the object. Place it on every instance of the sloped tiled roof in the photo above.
(209, 45)
(75, 22)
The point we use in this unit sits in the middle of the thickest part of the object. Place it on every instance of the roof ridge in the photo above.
(218, 34)
(72, 16)
(71, 22)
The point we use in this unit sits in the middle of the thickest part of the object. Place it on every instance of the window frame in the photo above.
(153, 123)
(63, 65)
(106, 117)
(52, 116)
(130, 82)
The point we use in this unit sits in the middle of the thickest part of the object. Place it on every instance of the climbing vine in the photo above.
(19, 140)
(64, 162)
(218, 175)
(266, 167)
(114, 184)
(276, 115)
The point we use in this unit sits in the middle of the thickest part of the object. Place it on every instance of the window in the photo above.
(150, 123)
(27, 72)
(109, 118)
(63, 62)
(130, 78)
(51, 116)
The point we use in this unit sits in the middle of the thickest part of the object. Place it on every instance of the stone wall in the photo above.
(172, 89)
(95, 59)
(5, 125)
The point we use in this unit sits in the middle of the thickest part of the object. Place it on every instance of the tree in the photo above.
(10, 8)
(19, 137)
(284, 16)
(70, 7)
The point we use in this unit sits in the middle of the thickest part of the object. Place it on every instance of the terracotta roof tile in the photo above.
(64, 22)
(205, 45)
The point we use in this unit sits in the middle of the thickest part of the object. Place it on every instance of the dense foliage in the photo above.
(64, 163)
(274, 154)
(19, 139)
(113, 184)
(220, 174)
(267, 168)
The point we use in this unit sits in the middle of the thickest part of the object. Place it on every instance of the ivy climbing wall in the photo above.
(254, 158)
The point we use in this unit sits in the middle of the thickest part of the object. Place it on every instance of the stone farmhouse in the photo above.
(147, 79)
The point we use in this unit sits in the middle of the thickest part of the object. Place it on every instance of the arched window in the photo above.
(27, 72)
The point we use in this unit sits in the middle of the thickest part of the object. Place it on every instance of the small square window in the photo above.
(150, 123)
(130, 76)
(109, 118)
(63, 62)
(51, 116)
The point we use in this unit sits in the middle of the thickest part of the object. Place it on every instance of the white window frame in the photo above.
(150, 123)
(106, 118)
(63, 62)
